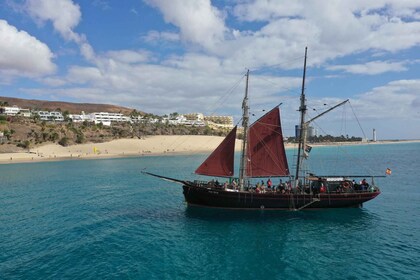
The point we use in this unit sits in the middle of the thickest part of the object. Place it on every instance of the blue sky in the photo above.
(188, 56)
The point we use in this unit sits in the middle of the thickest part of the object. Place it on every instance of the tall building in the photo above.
(310, 133)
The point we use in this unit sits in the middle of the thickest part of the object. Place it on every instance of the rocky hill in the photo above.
(72, 108)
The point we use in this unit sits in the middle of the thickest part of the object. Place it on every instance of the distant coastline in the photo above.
(152, 145)
(378, 142)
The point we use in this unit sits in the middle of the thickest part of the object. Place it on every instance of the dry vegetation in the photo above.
(24, 133)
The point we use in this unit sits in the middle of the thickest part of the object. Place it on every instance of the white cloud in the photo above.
(155, 36)
(333, 30)
(266, 10)
(185, 84)
(330, 30)
(199, 22)
(393, 109)
(211, 46)
(129, 56)
(134, 11)
(54, 81)
(64, 15)
(371, 68)
(85, 75)
(397, 99)
(22, 54)
(104, 5)
(195, 62)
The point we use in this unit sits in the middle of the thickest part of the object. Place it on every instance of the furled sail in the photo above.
(266, 154)
(220, 162)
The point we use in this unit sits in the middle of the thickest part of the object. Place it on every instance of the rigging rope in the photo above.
(341, 150)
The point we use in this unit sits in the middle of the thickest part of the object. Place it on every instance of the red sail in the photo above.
(266, 154)
(220, 162)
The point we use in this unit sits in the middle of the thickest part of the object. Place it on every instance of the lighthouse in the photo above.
(374, 135)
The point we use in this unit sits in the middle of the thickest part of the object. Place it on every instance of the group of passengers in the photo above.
(343, 186)
(316, 187)
(362, 186)
(261, 187)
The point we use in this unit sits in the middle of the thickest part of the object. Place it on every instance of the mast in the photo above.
(302, 128)
(245, 120)
(304, 124)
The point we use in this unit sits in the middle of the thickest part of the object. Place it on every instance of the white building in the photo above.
(194, 116)
(25, 112)
(106, 118)
(138, 119)
(101, 117)
(77, 118)
(219, 121)
(13, 111)
(43, 115)
(180, 119)
(10, 111)
(50, 116)
(57, 116)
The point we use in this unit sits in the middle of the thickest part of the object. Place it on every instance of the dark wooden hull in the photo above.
(214, 197)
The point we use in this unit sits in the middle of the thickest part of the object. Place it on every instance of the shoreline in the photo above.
(120, 148)
(149, 146)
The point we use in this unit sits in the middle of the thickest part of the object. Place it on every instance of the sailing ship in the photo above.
(263, 155)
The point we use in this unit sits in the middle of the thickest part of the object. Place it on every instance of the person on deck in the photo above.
(288, 186)
(364, 184)
(262, 186)
(356, 186)
(257, 188)
(234, 184)
(316, 185)
(339, 188)
(269, 184)
(280, 186)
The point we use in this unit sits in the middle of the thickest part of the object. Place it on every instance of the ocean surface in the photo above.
(104, 219)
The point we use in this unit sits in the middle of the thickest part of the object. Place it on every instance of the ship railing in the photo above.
(200, 183)
(207, 184)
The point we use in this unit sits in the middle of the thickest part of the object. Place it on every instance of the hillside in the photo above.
(72, 108)
(20, 133)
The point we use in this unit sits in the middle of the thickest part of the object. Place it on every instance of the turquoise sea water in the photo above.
(103, 219)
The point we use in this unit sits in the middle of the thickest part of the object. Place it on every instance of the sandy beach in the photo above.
(153, 145)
